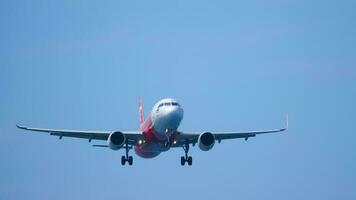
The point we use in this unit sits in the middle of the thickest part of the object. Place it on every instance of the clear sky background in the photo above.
(232, 65)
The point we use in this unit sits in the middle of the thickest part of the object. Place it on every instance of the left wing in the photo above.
(132, 136)
(192, 137)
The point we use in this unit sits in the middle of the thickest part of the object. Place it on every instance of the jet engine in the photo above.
(116, 140)
(206, 141)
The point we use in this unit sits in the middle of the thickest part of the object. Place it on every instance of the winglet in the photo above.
(20, 127)
(286, 124)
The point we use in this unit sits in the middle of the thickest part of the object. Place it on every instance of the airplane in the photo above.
(158, 133)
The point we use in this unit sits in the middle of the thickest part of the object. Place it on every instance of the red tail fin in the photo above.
(140, 109)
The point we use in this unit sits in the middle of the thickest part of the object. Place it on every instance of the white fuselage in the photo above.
(158, 128)
(166, 116)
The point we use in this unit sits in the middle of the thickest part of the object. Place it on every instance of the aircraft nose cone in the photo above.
(176, 113)
(168, 120)
(174, 116)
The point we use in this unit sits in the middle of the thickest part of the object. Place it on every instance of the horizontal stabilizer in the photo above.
(100, 145)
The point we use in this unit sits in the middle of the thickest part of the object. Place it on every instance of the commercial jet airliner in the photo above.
(158, 133)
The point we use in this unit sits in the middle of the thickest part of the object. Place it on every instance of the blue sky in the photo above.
(232, 65)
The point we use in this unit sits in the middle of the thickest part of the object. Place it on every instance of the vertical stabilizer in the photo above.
(140, 109)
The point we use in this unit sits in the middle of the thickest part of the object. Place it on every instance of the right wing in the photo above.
(132, 136)
(192, 137)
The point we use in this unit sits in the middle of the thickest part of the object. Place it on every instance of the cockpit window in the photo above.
(159, 106)
(175, 104)
(167, 104)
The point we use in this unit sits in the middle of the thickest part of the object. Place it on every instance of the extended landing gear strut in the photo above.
(186, 158)
(126, 158)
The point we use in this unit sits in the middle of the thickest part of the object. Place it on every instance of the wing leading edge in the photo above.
(132, 136)
(192, 137)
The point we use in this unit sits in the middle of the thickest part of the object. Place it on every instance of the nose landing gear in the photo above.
(186, 158)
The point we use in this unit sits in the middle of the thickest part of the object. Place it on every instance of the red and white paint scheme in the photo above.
(159, 127)
(158, 133)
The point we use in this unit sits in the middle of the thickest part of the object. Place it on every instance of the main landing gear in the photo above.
(186, 158)
(126, 158)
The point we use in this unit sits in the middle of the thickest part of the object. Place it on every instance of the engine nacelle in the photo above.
(116, 140)
(206, 141)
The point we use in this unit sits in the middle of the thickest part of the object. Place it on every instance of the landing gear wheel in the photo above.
(182, 160)
(186, 158)
(127, 158)
(123, 160)
(190, 160)
(130, 160)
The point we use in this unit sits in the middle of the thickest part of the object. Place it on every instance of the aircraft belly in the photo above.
(148, 150)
